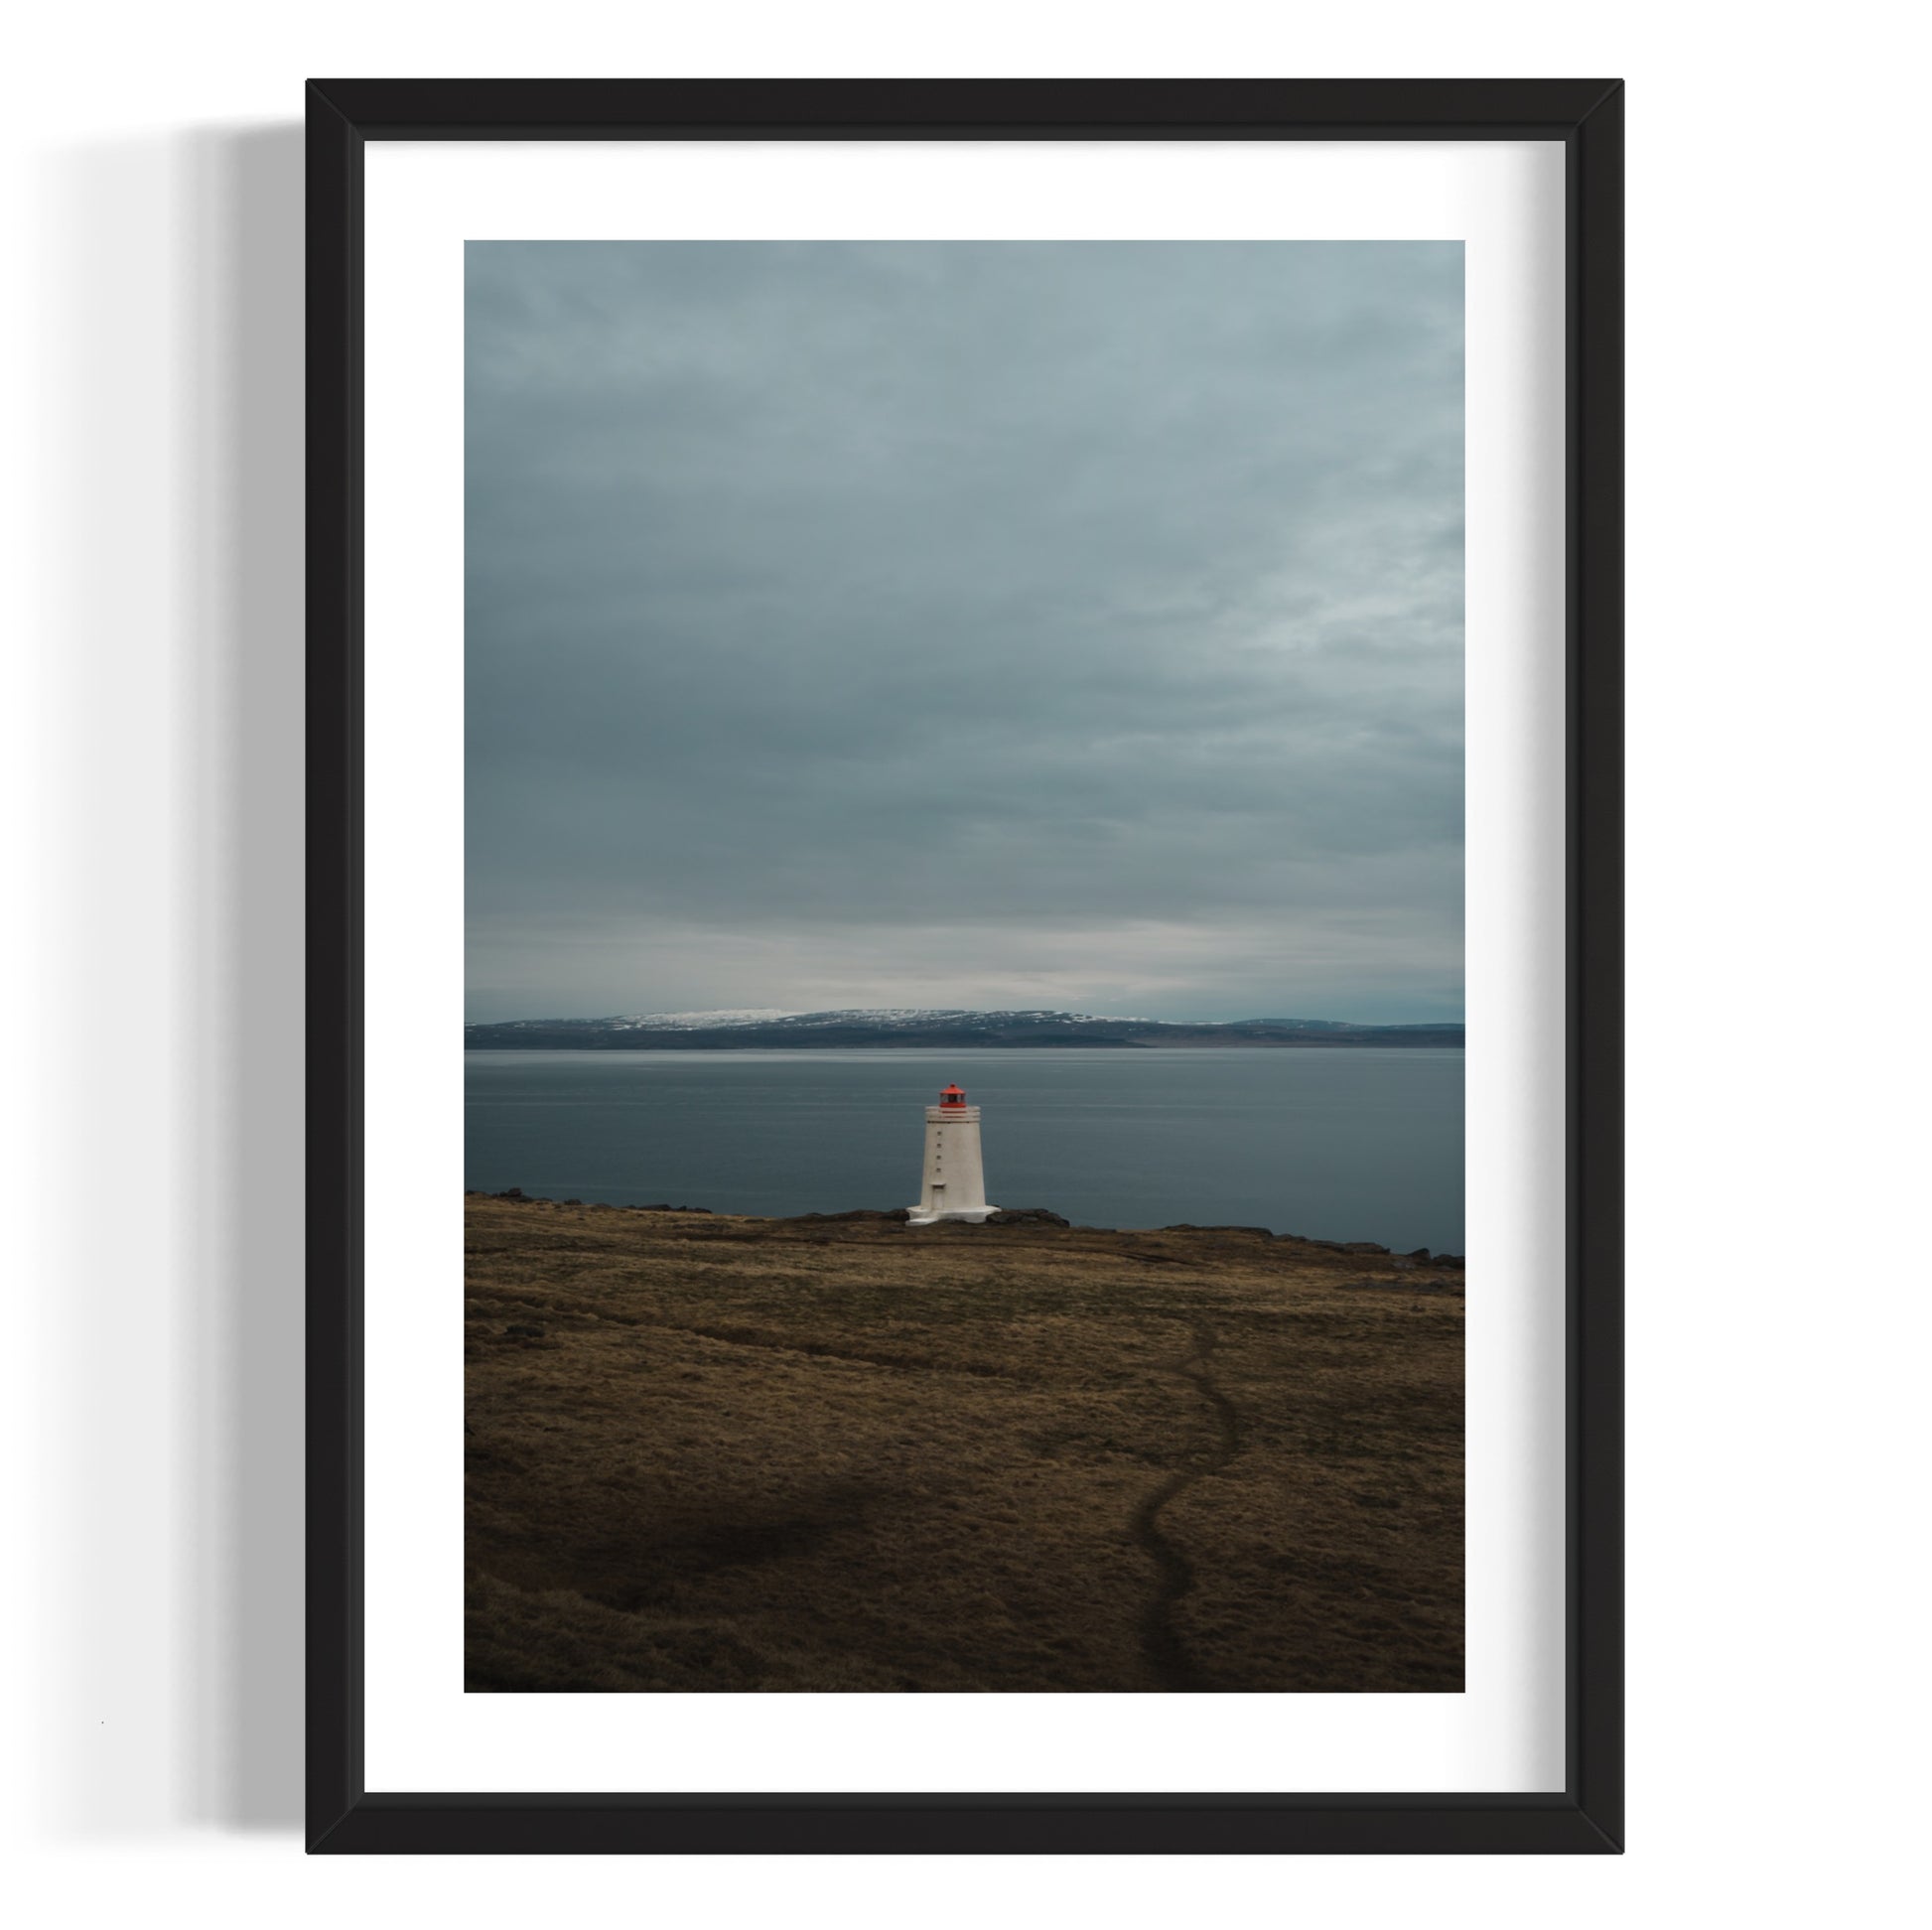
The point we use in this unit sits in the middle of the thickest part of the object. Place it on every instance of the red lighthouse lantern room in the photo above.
(952, 1096)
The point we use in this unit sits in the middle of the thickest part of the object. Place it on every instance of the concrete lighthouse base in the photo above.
(954, 1185)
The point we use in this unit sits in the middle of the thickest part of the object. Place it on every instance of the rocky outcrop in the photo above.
(1007, 1216)
(899, 1214)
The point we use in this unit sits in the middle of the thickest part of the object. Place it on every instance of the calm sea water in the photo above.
(1363, 1143)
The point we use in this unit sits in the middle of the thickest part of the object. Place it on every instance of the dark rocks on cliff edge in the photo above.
(1028, 1217)
(1189, 1226)
(899, 1217)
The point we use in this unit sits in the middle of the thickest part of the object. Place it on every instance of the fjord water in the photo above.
(1353, 1144)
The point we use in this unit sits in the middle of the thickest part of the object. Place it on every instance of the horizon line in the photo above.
(772, 1014)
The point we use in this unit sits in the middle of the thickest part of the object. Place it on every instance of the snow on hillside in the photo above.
(706, 1021)
(778, 1027)
(726, 1019)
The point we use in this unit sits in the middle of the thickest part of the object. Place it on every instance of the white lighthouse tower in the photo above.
(955, 1184)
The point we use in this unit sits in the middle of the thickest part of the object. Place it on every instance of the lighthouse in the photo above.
(955, 1186)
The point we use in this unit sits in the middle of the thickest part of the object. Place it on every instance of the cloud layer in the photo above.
(967, 625)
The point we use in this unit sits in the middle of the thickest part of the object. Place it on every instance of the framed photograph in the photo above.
(999, 705)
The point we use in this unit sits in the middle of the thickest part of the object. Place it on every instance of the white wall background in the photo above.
(151, 370)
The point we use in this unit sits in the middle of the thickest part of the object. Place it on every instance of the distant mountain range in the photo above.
(767, 1027)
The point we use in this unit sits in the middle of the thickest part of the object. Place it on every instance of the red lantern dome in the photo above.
(952, 1095)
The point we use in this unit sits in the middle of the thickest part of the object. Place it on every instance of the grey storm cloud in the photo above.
(965, 624)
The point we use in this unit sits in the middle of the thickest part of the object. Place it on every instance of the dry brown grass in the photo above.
(782, 1454)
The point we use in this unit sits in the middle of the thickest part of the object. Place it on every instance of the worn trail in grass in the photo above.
(1167, 1655)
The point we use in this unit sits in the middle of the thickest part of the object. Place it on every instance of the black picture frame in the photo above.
(1587, 1817)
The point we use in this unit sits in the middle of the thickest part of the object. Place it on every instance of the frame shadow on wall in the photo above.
(173, 428)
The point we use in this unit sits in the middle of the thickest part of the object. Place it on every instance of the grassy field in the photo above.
(722, 1453)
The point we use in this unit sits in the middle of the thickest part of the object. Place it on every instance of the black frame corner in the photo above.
(1588, 116)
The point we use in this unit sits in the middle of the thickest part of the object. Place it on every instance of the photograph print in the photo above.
(964, 988)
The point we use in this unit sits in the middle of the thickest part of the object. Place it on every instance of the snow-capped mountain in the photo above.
(773, 1027)
(700, 1021)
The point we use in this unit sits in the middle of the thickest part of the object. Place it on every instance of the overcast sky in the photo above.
(979, 624)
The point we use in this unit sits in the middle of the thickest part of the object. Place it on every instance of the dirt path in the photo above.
(1175, 1572)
